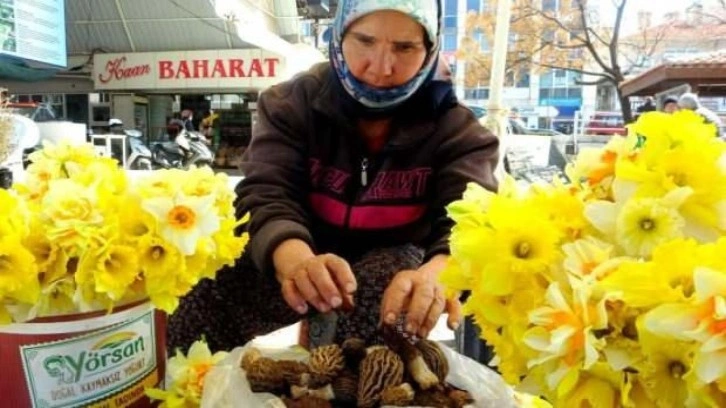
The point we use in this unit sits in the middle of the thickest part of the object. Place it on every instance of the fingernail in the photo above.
(302, 309)
(423, 333)
(336, 301)
(410, 328)
(455, 326)
(391, 318)
(350, 287)
(323, 308)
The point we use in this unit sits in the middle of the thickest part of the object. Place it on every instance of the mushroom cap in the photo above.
(398, 396)
(345, 387)
(249, 357)
(326, 361)
(435, 358)
(433, 398)
(264, 375)
(380, 369)
(460, 398)
(292, 371)
(354, 351)
(306, 402)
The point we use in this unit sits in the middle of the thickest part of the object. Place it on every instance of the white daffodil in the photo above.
(183, 220)
(702, 321)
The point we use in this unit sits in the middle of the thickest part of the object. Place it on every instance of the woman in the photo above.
(350, 163)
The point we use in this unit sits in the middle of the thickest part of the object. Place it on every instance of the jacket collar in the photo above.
(409, 128)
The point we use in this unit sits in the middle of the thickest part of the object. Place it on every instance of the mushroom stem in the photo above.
(325, 393)
(421, 372)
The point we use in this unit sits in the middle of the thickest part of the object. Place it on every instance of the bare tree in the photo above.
(571, 38)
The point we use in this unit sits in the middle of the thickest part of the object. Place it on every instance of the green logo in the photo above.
(106, 354)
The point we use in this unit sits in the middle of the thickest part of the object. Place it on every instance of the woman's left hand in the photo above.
(419, 294)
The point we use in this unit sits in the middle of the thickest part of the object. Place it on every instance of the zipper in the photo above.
(363, 182)
(364, 172)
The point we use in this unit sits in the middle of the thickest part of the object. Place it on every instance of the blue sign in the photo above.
(34, 30)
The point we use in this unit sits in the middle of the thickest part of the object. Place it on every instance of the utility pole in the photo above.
(496, 119)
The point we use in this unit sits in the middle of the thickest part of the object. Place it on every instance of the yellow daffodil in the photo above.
(639, 284)
(187, 375)
(703, 321)
(639, 224)
(664, 368)
(563, 330)
(12, 215)
(161, 183)
(18, 271)
(183, 220)
(158, 258)
(112, 269)
(520, 242)
(564, 206)
(590, 258)
(56, 298)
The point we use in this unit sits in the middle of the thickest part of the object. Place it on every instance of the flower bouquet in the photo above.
(609, 290)
(79, 238)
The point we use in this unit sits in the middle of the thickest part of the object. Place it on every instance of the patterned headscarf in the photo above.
(425, 12)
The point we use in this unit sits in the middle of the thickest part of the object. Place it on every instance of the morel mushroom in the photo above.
(250, 356)
(417, 367)
(345, 387)
(380, 369)
(398, 396)
(460, 398)
(354, 351)
(306, 402)
(264, 375)
(433, 398)
(325, 393)
(326, 362)
(293, 371)
(434, 358)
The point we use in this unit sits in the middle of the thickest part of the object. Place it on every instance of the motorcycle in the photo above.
(140, 157)
(188, 149)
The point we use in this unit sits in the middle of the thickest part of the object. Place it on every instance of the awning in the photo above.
(17, 70)
(706, 74)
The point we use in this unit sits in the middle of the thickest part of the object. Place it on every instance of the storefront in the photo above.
(146, 90)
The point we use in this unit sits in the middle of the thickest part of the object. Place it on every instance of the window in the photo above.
(451, 7)
(473, 5)
(523, 80)
(574, 93)
(450, 22)
(476, 93)
(549, 5)
(560, 73)
(450, 42)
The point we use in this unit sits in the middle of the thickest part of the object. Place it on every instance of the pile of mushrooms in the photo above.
(402, 373)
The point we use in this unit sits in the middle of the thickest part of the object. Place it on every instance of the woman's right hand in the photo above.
(324, 281)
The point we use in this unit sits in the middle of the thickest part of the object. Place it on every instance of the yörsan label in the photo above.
(86, 369)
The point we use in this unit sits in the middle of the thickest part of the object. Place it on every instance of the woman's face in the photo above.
(384, 49)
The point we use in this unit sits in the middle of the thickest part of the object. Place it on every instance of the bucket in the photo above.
(91, 359)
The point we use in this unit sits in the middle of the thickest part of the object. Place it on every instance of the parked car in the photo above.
(606, 124)
(515, 126)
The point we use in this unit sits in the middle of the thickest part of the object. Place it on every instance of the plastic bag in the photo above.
(226, 385)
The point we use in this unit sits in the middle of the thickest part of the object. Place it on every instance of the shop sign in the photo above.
(254, 69)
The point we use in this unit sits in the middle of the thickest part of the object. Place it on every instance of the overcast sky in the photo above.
(659, 8)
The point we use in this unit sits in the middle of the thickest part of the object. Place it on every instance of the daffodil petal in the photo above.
(710, 366)
(603, 216)
(672, 320)
(708, 283)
